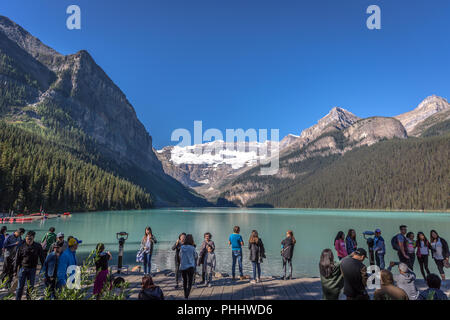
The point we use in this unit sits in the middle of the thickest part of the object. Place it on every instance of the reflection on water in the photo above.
(313, 229)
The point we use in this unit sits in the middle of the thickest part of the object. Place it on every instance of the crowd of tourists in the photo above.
(350, 273)
(188, 260)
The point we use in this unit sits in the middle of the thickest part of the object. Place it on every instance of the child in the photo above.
(210, 264)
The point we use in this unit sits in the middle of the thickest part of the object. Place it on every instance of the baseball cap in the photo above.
(78, 241)
(60, 234)
(377, 230)
(72, 242)
(361, 252)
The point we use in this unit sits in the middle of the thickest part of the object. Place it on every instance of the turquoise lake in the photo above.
(313, 229)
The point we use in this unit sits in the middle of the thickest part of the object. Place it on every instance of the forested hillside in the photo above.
(36, 172)
(396, 174)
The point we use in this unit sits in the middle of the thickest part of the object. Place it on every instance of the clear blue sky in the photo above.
(254, 63)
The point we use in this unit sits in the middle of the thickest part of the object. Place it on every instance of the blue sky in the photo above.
(254, 63)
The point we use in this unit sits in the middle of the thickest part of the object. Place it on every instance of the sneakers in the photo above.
(253, 281)
(209, 285)
(258, 280)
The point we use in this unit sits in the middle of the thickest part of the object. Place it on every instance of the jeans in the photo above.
(25, 274)
(412, 258)
(237, 255)
(209, 277)
(188, 278)
(256, 267)
(379, 258)
(287, 262)
(147, 263)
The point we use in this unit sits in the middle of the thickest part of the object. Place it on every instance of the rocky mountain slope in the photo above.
(76, 92)
(428, 112)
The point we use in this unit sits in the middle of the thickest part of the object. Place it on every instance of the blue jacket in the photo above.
(379, 246)
(350, 244)
(48, 269)
(66, 259)
(10, 244)
(2, 240)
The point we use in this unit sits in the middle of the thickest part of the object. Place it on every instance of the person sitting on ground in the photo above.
(406, 279)
(330, 276)
(434, 291)
(149, 290)
(355, 275)
(388, 291)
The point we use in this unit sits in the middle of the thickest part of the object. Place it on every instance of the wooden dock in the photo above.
(270, 288)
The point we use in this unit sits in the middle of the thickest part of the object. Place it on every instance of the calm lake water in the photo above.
(313, 229)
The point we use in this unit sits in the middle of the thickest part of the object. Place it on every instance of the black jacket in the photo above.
(176, 247)
(288, 248)
(154, 293)
(257, 252)
(355, 277)
(27, 256)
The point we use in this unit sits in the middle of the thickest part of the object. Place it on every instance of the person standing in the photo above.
(399, 244)
(176, 247)
(257, 253)
(27, 257)
(202, 254)
(355, 275)
(188, 262)
(2, 240)
(422, 253)
(67, 259)
(440, 251)
(50, 269)
(350, 242)
(379, 249)
(101, 269)
(330, 276)
(60, 242)
(339, 245)
(287, 252)
(410, 249)
(48, 239)
(388, 291)
(147, 246)
(210, 264)
(12, 242)
(236, 242)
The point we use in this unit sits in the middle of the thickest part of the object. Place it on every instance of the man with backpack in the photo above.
(399, 244)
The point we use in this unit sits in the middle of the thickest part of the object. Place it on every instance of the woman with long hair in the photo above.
(287, 251)
(101, 268)
(176, 247)
(422, 245)
(188, 261)
(339, 245)
(149, 290)
(350, 242)
(147, 242)
(257, 253)
(330, 276)
(439, 250)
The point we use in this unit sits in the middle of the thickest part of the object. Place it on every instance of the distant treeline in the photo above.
(37, 171)
(397, 174)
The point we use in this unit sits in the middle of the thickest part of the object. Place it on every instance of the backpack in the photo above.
(394, 242)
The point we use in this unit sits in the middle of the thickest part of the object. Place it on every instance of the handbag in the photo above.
(140, 255)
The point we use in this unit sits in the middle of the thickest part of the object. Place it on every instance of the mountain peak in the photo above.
(428, 107)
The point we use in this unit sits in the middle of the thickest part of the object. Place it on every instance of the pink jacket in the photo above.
(339, 245)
